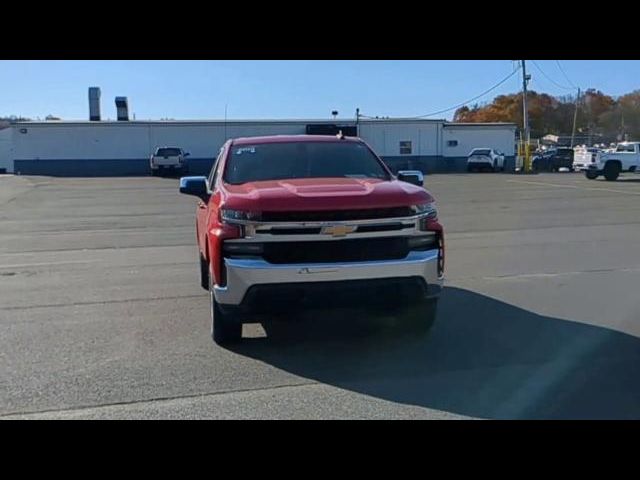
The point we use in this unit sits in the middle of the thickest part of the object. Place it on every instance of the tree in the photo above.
(598, 113)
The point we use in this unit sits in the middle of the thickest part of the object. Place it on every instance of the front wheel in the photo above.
(590, 175)
(226, 328)
(611, 171)
(204, 272)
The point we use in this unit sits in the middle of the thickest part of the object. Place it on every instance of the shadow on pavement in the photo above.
(483, 358)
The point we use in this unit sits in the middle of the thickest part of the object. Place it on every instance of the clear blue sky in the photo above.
(285, 89)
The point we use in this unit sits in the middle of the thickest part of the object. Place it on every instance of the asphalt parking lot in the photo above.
(102, 315)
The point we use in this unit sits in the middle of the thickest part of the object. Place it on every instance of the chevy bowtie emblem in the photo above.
(338, 230)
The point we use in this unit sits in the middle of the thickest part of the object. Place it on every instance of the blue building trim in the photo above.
(100, 168)
(435, 164)
(202, 166)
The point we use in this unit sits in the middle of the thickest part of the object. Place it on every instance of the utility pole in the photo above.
(357, 122)
(525, 133)
(225, 122)
(575, 116)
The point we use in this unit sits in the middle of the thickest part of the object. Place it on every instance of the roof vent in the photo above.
(94, 104)
(122, 106)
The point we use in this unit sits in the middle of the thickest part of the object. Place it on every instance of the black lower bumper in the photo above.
(310, 295)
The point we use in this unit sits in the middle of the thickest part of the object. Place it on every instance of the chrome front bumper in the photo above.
(243, 274)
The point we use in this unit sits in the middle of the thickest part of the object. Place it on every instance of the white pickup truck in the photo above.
(168, 158)
(626, 158)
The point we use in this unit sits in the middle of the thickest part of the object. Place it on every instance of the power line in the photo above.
(549, 78)
(464, 103)
(565, 75)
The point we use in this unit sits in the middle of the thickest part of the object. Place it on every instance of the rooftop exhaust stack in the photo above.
(122, 106)
(94, 104)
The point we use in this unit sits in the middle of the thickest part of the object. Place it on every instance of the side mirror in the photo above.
(186, 154)
(196, 186)
(414, 177)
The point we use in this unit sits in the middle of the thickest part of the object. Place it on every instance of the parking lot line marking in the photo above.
(575, 186)
(46, 264)
(543, 183)
(559, 274)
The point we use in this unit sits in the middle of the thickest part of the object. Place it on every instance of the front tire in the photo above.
(611, 171)
(226, 328)
(204, 273)
(590, 175)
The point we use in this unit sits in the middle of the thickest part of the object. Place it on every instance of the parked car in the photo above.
(553, 160)
(302, 221)
(626, 158)
(168, 158)
(485, 159)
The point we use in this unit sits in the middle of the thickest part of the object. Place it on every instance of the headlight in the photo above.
(428, 210)
(231, 215)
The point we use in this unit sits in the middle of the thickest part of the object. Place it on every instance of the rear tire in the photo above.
(611, 171)
(226, 328)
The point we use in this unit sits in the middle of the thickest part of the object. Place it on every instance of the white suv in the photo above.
(485, 158)
(168, 158)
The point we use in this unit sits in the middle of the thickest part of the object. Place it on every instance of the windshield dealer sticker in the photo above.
(240, 151)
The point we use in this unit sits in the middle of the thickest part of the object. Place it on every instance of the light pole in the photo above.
(525, 114)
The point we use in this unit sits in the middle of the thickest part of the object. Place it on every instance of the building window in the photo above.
(405, 147)
(452, 143)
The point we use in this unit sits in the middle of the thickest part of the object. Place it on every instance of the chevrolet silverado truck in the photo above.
(626, 158)
(285, 222)
(168, 158)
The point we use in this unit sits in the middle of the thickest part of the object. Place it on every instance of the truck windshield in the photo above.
(168, 152)
(276, 161)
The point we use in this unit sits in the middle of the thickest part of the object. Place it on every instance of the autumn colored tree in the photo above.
(598, 113)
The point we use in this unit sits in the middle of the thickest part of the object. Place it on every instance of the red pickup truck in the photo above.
(288, 222)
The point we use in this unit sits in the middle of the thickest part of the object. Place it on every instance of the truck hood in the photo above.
(322, 194)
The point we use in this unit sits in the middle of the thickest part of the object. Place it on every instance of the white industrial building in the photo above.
(105, 148)
(5, 150)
